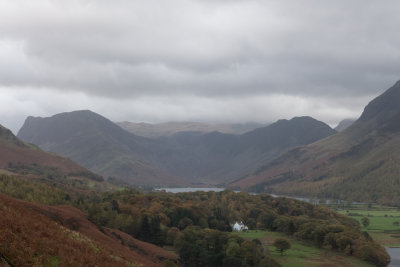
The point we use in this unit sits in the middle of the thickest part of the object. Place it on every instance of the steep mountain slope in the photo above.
(19, 157)
(224, 157)
(98, 144)
(344, 124)
(170, 128)
(361, 163)
(103, 147)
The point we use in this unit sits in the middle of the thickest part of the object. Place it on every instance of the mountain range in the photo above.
(183, 158)
(361, 163)
(171, 128)
(98, 144)
(301, 156)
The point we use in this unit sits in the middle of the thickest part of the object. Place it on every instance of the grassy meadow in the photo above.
(302, 254)
(384, 224)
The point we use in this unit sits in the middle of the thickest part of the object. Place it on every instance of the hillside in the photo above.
(196, 225)
(181, 159)
(25, 159)
(344, 124)
(223, 157)
(362, 163)
(170, 128)
(99, 145)
(39, 235)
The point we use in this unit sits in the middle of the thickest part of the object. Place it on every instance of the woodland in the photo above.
(198, 225)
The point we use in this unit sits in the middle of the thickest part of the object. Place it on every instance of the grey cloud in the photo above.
(200, 49)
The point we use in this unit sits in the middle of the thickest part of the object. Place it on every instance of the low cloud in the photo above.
(262, 108)
(196, 59)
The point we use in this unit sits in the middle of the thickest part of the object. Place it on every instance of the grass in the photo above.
(252, 234)
(91, 185)
(2, 171)
(302, 254)
(381, 228)
(54, 261)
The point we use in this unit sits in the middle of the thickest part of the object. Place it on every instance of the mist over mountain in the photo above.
(170, 128)
(179, 159)
(361, 163)
(344, 124)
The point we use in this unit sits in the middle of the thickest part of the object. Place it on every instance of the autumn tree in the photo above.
(281, 245)
(365, 221)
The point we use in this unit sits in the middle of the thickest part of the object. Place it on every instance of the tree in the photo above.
(145, 232)
(365, 221)
(281, 245)
(270, 262)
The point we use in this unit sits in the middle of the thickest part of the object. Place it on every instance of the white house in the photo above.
(239, 227)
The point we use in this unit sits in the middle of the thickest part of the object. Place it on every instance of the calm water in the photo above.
(395, 255)
(190, 189)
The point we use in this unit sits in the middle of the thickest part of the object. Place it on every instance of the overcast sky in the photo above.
(197, 60)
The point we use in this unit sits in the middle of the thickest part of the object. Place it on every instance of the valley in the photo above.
(302, 254)
(360, 163)
(199, 133)
(99, 204)
(185, 158)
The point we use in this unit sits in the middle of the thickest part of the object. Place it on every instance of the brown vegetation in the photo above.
(26, 157)
(33, 234)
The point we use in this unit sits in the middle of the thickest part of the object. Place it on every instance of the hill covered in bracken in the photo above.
(195, 225)
(26, 159)
(362, 163)
(39, 235)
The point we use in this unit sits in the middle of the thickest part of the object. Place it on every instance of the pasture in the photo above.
(384, 224)
(302, 254)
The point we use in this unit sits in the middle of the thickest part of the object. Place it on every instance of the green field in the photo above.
(302, 254)
(382, 227)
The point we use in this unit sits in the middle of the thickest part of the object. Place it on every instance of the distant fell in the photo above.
(180, 159)
(98, 144)
(171, 128)
(344, 124)
(361, 163)
(287, 133)
(218, 157)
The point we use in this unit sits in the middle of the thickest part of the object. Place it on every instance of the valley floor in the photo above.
(302, 254)
(384, 226)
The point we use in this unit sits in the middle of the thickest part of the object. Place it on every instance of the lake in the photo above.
(395, 255)
(190, 189)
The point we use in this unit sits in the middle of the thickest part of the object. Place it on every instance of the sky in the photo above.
(196, 60)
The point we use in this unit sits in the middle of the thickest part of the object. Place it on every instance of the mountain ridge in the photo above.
(157, 130)
(180, 159)
(344, 124)
(96, 143)
(358, 164)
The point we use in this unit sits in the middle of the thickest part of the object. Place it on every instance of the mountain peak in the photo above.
(384, 107)
(64, 125)
(7, 136)
(344, 124)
